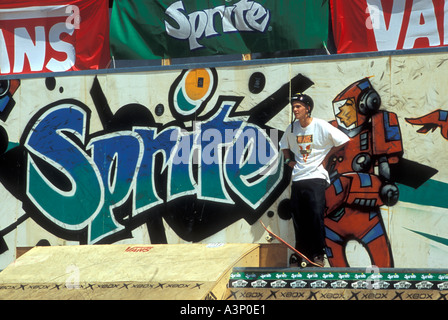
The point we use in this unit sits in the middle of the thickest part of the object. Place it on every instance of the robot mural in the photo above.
(364, 175)
(357, 192)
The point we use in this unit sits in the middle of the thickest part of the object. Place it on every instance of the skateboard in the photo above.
(305, 260)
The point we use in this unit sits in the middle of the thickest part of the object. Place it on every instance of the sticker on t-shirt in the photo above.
(305, 149)
(305, 139)
(305, 152)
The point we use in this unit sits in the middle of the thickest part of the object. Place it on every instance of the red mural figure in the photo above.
(432, 121)
(360, 175)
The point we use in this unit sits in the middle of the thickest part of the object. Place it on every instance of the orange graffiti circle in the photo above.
(197, 83)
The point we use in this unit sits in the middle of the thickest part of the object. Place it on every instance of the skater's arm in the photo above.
(287, 154)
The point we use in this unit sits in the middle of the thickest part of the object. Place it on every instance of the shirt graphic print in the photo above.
(305, 145)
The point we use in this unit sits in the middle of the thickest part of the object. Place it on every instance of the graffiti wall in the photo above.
(191, 155)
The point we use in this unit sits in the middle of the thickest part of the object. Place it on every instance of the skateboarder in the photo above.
(305, 144)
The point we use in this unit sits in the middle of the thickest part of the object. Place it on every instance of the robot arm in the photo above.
(384, 168)
(387, 146)
(386, 139)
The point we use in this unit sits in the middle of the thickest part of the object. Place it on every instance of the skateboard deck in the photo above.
(306, 259)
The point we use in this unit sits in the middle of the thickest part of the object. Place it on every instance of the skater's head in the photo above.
(304, 100)
(302, 105)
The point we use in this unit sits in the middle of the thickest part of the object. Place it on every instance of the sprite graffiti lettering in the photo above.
(209, 167)
(107, 170)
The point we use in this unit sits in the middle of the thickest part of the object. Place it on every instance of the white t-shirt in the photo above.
(310, 146)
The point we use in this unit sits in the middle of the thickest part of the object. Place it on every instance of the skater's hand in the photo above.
(292, 164)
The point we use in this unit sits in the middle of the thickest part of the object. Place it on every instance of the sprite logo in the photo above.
(245, 15)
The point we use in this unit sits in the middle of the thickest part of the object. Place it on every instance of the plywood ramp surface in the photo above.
(183, 271)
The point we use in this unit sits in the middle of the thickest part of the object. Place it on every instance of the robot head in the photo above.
(356, 104)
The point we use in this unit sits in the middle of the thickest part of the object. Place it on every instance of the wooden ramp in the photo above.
(338, 284)
(158, 272)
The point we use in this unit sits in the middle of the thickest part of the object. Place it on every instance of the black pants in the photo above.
(308, 206)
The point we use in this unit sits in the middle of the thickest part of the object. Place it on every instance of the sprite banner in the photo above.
(155, 29)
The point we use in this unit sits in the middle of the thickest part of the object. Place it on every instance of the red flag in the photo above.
(53, 35)
(379, 25)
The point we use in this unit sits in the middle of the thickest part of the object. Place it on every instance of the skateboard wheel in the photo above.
(293, 259)
(303, 264)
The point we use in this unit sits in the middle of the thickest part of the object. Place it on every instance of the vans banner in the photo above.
(154, 29)
(378, 25)
(54, 35)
